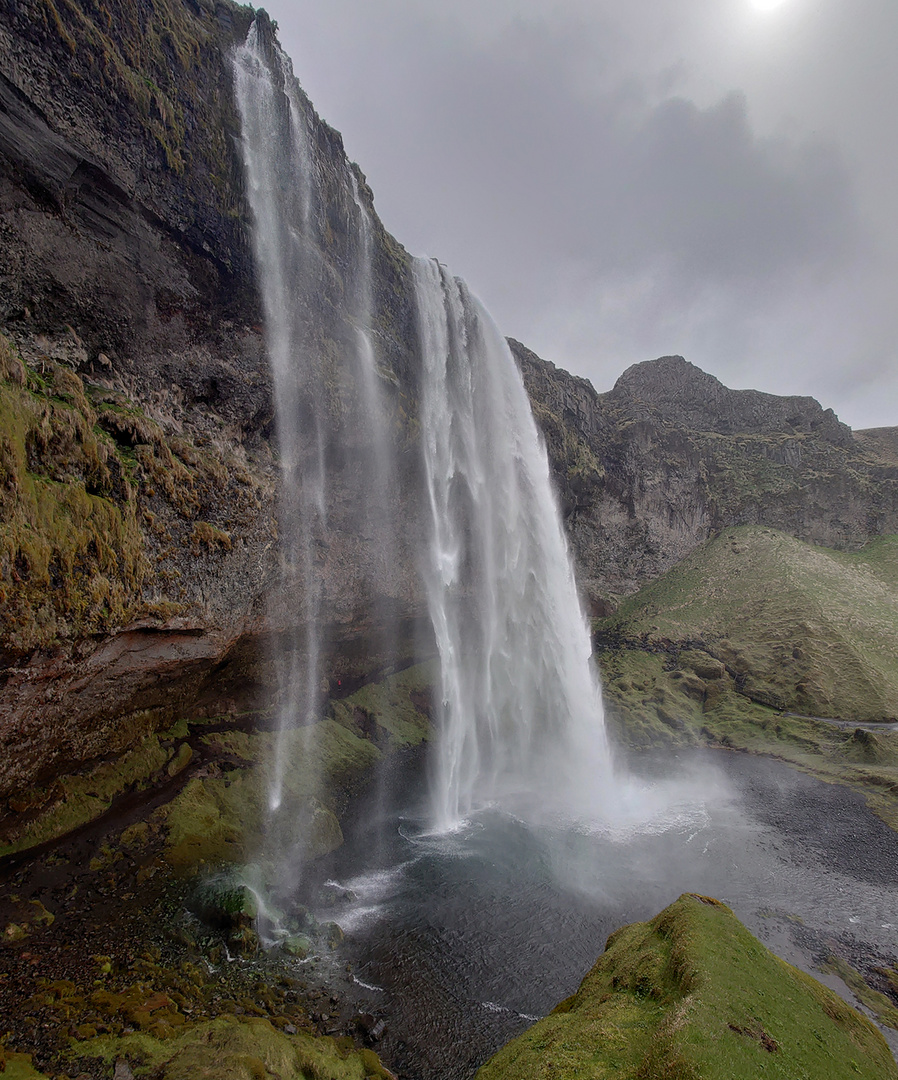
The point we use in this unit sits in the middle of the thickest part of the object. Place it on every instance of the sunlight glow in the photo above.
(766, 5)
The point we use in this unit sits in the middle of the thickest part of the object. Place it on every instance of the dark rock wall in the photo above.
(138, 460)
(670, 456)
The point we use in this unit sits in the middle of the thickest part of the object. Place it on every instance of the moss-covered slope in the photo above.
(670, 457)
(750, 641)
(801, 628)
(233, 1049)
(692, 995)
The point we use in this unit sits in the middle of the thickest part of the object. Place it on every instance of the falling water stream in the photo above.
(521, 718)
(287, 260)
(317, 406)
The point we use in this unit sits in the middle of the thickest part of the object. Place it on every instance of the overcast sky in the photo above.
(625, 179)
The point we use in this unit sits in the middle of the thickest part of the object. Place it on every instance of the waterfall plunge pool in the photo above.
(459, 941)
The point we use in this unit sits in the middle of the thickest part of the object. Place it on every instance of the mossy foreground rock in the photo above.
(692, 995)
(232, 1049)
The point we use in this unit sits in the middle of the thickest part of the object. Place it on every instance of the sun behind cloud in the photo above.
(766, 5)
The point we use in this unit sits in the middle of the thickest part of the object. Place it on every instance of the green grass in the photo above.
(751, 627)
(802, 628)
(692, 995)
(235, 1049)
(881, 1006)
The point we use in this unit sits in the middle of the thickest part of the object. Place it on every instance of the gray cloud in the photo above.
(565, 166)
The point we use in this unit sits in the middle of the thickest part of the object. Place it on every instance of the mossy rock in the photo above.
(395, 711)
(73, 801)
(232, 1049)
(224, 901)
(693, 995)
(18, 1067)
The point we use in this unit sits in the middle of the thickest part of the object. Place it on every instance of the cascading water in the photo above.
(320, 411)
(520, 710)
(279, 173)
(382, 496)
(520, 707)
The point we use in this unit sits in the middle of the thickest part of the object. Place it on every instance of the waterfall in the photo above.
(520, 706)
(278, 167)
(330, 409)
(520, 717)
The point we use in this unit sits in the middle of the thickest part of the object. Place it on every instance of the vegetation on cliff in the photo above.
(692, 995)
(99, 507)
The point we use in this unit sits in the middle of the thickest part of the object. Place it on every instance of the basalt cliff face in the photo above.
(670, 457)
(138, 461)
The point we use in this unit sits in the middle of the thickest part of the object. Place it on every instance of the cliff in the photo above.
(138, 465)
(139, 545)
(670, 456)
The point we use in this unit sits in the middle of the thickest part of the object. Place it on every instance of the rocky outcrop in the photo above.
(670, 456)
(138, 461)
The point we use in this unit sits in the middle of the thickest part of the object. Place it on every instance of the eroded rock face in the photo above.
(138, 458)
(670, 456)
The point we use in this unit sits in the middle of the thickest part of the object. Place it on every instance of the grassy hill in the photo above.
(750, 641)
(693, 995)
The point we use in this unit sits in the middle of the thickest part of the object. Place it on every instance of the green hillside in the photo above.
(693, 995)
(750, 641)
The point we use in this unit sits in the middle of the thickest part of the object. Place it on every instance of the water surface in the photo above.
(461, 940)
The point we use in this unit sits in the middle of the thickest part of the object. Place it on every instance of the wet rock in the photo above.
(333, 934)
(224, 902)
(297, 945)
(244, 941)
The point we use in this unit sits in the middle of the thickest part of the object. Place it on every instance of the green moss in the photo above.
(692, 995)
(395, 711)
(705, 655)
(76, 472)
(219, 818)
(18, 1067)
(882, 1007)
(149, 59)
(232, 1049)
(77, 800)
